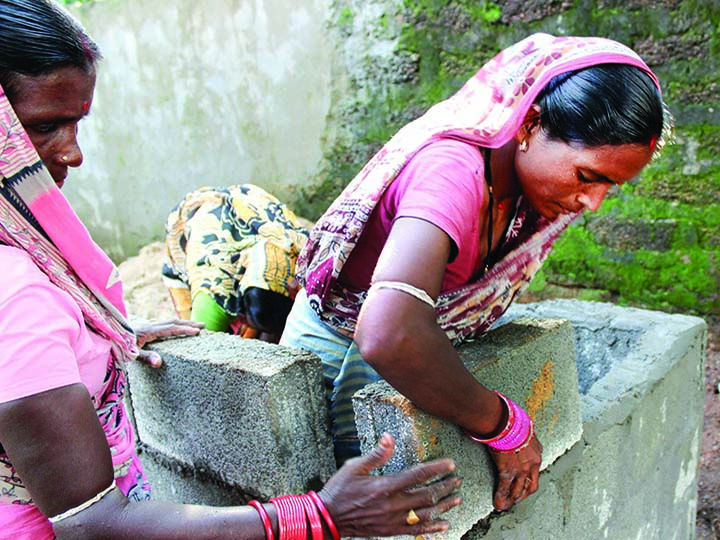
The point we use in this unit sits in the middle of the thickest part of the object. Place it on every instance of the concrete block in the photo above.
(635, 473)
(253, 414)
(177, 482)
(532, 362)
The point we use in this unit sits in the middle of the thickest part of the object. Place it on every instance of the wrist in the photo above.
(514, 433)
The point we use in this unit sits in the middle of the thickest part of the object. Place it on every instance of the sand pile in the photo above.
(145, 295)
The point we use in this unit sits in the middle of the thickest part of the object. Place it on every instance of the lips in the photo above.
(59, 176)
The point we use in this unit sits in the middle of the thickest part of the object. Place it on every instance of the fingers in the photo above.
(429, 516)
(423, 473)
(149, 358)
(380, 455)
(434, 496)
(175, 328)
(518, 488)
(502, 501)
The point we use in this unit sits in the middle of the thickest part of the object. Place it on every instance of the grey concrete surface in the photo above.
(195, 93)
(226, 419)
(531, 361)
(248, 413)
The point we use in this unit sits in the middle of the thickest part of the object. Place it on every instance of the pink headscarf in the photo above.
(36, 217)
(487, 111)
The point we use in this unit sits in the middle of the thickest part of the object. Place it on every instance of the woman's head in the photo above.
(587, 131)
(47, 70)
(608, 104)
(266, 311)
(37, 37)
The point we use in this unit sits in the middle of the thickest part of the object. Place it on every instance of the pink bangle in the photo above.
(265, 517)
(517, 433)
(313, 517)
(320, 505)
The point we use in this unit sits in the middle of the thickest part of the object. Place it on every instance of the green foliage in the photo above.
(675, 208)
(683, 275)
(345, 20)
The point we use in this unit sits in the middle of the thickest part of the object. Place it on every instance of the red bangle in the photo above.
(320, 505)
(313, 517)
(291, 517)
(265, 517)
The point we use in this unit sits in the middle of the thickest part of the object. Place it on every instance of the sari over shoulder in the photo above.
(487, 111)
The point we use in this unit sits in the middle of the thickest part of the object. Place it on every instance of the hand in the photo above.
(148, 332)
(518, 474)
(293, 288)
(363, 505)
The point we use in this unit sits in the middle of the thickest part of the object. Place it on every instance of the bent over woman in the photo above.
(230, 259)
(446, 225)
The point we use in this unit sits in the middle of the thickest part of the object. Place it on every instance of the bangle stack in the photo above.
(294, 513)
(517, 433)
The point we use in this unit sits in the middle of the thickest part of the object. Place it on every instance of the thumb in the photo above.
(379, 456)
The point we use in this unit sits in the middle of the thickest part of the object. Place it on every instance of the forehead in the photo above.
(68, 90)
(618, 163)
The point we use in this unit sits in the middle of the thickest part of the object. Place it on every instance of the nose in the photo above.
(69, 152)
(592, 197)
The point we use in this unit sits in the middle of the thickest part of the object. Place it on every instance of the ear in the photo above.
(530, 123)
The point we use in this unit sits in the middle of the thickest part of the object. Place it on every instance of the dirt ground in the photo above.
(147, 298)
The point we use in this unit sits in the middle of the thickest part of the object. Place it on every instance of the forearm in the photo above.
(114, 518)
(418, 360)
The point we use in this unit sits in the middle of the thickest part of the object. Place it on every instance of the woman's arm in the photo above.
(398, 336)
(59, 450)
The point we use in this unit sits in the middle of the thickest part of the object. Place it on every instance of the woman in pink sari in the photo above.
(68, 466)
(449, 221)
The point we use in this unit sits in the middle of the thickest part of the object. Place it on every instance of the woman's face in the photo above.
(50, 107)
(560, 178)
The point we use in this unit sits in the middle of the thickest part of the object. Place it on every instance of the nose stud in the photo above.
(65, 159)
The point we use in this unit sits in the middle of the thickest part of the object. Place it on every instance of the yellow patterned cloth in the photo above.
(224, 240)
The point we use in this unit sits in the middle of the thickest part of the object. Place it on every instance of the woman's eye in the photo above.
(583, 178)
(44, 128)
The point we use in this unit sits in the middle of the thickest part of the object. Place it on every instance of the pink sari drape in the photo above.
(487, 111)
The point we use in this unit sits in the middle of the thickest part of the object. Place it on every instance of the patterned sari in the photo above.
(36, 218)
(487, 112)
(224, 240)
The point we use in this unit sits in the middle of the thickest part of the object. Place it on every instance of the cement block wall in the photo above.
(243, 417)
(195, 93)
(532, 361)
(632, 474)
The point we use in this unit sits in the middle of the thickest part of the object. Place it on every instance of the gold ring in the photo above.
(412, 518)
(65, 159)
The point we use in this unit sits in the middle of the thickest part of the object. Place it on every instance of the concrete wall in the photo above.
(195, 93)
(621, 443)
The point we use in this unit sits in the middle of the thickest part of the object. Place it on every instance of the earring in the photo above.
(65, 159)
(523, 145)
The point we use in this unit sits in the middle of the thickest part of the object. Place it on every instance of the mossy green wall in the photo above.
(655, 242)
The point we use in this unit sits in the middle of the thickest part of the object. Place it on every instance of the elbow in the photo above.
(382, 346)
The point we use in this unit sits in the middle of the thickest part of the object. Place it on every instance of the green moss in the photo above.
(684, 277)
(345, 20)
(449, 40)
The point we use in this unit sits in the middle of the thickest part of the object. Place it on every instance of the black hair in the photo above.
(607, 104)
(38, 37)
(266, 309)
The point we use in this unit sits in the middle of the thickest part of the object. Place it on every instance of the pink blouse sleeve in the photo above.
(39, 327)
